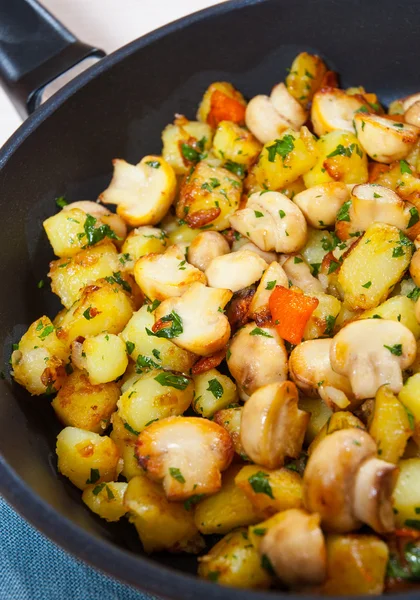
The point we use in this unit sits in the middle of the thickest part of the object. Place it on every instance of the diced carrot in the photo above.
(291, 311)
(405, 532)
(224, 108)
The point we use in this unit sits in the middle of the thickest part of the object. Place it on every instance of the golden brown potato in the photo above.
(410, 397)
(106, 500)
(305, 77)
(342, 419)
(213, 392)
(83, 405)
(183, 143)
(233, 561)
(407, 493)
(125, 439)
(161, 525)
(234, 143)
(186, 453)
(227, 509)
(270, 491)
(86, 457)
(141, 241)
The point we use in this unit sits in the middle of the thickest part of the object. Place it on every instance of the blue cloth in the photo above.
(33, 568)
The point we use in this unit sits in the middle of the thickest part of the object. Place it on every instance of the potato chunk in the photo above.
(208, 197)
(410, 397)
(234, 143)
(70, 275)
(162, 276)
(155, 395)
(213, 392)
(144, 240)
(184, 140)
(106, 500)
(143, 347)
(407, 494)
(86, 457)
(38, 359)
(270, 491)
(397, 308)
(233, 561)
(161, 525)
(81, 404)
(227, 509)
(105, 358)
(374, 265)
(305, 77)
(102, 306)
(230, 419)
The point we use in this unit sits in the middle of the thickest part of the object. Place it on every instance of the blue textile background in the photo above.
(33, 568)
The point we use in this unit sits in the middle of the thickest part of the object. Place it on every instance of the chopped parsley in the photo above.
(405, 167)
(46, 331)
(414, 294)
(235, 168)
(129, 346)
(189, 503)
(156, 354)
(116, 278)
(281, 147)
(145, 362)
(61, 202)
(174, 330)
(346, 151)
(130, 429)
(297, 260)
(414, 217)
(179, 382)
(155, 164)
(282, 214)
(333, 267)
(97, 234)
(260, 483)
(271, 285)
(40, 284)
(87, 314)
(396, 349)
(176, 474)
(258, 214)
(329, 324)
(259, 331)
(153, 306)
(216, 388)
(94, 476)
(343, 213)
(367, 284)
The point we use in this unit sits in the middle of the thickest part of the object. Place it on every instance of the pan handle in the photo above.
(35, 50)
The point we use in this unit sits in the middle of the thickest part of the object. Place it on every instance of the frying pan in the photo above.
(118, 108)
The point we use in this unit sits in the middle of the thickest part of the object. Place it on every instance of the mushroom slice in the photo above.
(273, 276)
(272, 425)
(409, 101)
(373, 352)
(311, 370)
(375, 482)
(263, 120)
(256, 357)
(333, 109)
(236, 270)
(372, 203)
(295, 547)
(287, 106)
(267, 256)
(412, 114)
(187, 454)
(162, 276)
(415, 267)
(321, 203)
(385, 140)
(299, 274)
(272, 222)
(199, 324)
(206, 246)
(329, 477)
(144, 192)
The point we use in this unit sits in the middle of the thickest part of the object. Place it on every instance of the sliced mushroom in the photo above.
(202, 327)
(412, 114)
(310, 369)
(265, 122)
(333, 109)
(299, 274)
(206, 246)
(162, 276)
(272, 222)
(372, 203)
(415, 267)
(295, 547)
(256, 356)
(272, 425)
(267, 256)
(287, 106)
(273, 275)
(236, 270)
(385, 140)
(375, 482)
(373, 352)
(321, 203)
(187, 454)
(144, 192)
(347, 485)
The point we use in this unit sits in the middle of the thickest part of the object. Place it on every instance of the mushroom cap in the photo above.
(257, 357)
(272, 221)
(373, 352)
(204, 306)
(329, 477)
(412, 114)
(299, 274)
(287, 106)
(186, 453)
(273, 275)
(383, 139)
(372, 203)
(236, 270)
(295, 546)
(263, 120)
(321, 203)
(272, 426)
(333, 109)
(206, 246)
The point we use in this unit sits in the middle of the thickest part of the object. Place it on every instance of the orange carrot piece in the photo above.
(224, 108)
(405, 532)
(291, 311)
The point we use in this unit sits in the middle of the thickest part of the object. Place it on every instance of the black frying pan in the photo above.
(118, 108)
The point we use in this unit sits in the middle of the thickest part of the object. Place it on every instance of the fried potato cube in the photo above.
(397, 308)
(65, 232)
(213, 392)
(38, 359)
(86, 457)
(106, 500)
(184, 140)
(230, 419)
(234, 143)
(227, 509)
(305, 77)
(144, 240)
(374, 265)
(270, 491)
(125, 438)
(320, 413)
(233, 561)
(161, 525)
(407, 494)
(208, 197)
(81, 404)
(410, 397)
(104, 358)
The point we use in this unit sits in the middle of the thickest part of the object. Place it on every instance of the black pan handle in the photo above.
(34, 50)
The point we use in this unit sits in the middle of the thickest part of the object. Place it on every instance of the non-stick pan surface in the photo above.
(118, 109)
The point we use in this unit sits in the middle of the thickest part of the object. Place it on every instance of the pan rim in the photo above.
(139, 571)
